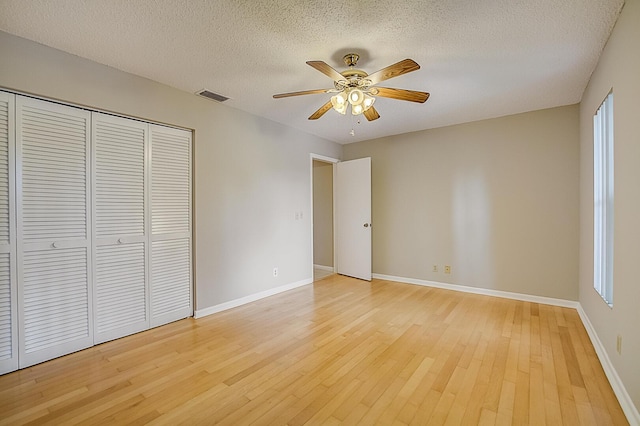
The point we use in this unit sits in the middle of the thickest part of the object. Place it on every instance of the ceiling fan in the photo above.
(355, 88)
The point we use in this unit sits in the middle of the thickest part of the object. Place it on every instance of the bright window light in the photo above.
(603, 200)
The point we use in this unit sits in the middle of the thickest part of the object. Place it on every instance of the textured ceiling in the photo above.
(479, 58)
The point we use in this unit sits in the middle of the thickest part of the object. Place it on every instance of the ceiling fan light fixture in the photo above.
(359, 101)
(368, 101)
(356, 97)
(339, 102)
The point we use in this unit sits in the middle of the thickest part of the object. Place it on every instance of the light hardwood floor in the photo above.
(341, 351)
(319, 274)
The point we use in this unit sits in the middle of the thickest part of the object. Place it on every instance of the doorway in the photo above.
(322, 183)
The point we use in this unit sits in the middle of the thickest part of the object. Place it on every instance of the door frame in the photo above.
(333, 161)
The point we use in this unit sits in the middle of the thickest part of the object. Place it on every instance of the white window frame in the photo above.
(603, 164)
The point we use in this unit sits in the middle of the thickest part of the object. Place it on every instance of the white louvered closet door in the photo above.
(8, 289)
(171, 274)
(53, 221)
(120, 242)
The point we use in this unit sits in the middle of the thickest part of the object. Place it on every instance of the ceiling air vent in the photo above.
(210, 95)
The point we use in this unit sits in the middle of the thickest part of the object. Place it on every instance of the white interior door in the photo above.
(171, 282)
(54, 255)
(8, 288)
(353, 218)
(121, 295)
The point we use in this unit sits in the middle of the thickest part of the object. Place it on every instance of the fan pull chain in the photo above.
(353, 131)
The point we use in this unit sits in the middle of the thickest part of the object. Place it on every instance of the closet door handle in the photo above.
(120, 240)
(55, 245)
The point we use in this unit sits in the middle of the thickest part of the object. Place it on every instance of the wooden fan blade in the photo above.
(402, 94)
(326, 69)
(394, 70)
(320, 112)
(371, 114)
(304, 92)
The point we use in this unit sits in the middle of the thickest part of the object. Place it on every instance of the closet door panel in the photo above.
(171, 296)
(54, 174)
(8, 289)
(121, 254)
(8, 330)
(7, 142)
(171, 181)
(171, 270)
(55, 307)
(119, 147)
(53, 224)
(120, 293)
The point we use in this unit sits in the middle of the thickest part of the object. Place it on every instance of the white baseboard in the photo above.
(630, 410)
(484, 291)
(248, 299)
(323, 268)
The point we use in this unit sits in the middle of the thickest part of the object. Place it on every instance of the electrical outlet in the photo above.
(619, 344)
(447, 269)
(275, 271)
(435, 268)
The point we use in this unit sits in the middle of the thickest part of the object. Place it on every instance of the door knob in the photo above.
(366, 225)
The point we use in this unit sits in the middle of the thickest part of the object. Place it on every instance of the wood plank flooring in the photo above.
(341, 351)
(319, 274)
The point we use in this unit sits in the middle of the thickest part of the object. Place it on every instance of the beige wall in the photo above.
(495, 199)
(251, 174)
(322, 213)
(618, 69)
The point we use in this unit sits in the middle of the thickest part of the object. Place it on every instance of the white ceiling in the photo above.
(479, 58)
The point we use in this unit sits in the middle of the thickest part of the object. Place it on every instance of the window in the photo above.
(603, 200)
